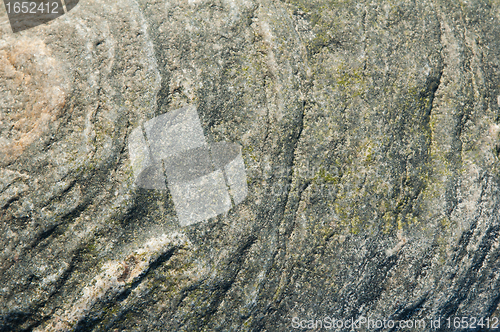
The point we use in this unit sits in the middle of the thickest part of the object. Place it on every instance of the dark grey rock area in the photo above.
(370, 136)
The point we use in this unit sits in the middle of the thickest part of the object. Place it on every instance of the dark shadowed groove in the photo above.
(217, 289)
(88, 323)
(496, 301)
(461, 293)
(450, 307)
(46, 234)
(294, 149)
(465, 238)
(43, 236)
(431, 86)
(58, 285)
(9, 203)
(156, 264)
(220, 289)
(282, 243)
(408, 311)
(12, 322)
(371, 288)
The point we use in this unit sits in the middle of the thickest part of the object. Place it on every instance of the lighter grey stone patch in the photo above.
(200, 199)
(174, 132)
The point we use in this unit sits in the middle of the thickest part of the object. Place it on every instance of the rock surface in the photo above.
(370, 134)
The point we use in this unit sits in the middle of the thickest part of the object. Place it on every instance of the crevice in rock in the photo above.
(90, 321)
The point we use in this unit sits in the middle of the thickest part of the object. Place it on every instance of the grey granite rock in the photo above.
(370, 137)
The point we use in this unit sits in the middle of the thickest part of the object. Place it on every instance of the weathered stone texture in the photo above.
(370, 135)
